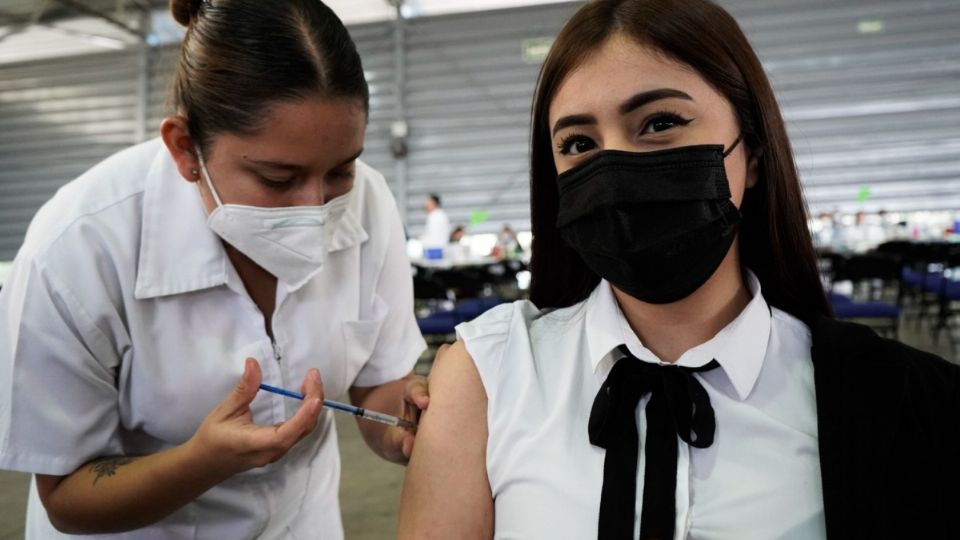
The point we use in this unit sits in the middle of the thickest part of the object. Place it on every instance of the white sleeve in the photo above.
(485, 339)
(58, 395)
(399, 343)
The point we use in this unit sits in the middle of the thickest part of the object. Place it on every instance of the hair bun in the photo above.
(184, 11)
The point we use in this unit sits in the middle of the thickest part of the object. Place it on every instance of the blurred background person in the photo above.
(436, 231)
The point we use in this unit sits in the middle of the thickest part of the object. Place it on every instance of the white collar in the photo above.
(178, 251)
(739, 347)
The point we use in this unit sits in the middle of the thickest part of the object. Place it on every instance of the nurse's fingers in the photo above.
(416, 392)
(312, 383)
(305, 419)
(301, 424)
(243, 393)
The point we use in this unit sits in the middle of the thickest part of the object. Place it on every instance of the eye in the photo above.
(275, 183)
(575, 145)
(662, 122)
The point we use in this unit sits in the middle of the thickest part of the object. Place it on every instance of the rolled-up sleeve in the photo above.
(58, 394)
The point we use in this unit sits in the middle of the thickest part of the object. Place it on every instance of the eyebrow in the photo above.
(650, 96)
(574, 120)
(294, 167)
(626, 107)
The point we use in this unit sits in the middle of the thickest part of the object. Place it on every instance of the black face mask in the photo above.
(656, 225)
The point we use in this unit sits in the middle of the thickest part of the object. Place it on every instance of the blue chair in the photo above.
(926, 261)
(472, 308)
(866, 310)
(932, 282)
(912, 278)
(839, 299)
(948, 297)
(883, 316)
(439, 323)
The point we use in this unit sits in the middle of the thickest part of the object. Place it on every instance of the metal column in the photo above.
(144, 55)
(400, 165)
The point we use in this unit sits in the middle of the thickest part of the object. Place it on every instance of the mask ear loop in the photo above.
(725, 154)
(206, 177)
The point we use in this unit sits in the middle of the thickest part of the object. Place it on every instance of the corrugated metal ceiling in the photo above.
(32, 30)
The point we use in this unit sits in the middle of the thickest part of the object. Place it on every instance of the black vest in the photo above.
(889, 429)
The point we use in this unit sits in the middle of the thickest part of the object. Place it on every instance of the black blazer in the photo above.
(889, 429)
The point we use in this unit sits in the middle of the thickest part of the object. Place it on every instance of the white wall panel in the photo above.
(57, 119)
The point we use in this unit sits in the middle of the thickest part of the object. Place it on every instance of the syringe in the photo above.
(356, 411)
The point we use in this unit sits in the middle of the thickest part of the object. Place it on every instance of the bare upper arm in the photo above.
(46, 484)
(46, 488)
(446, 493)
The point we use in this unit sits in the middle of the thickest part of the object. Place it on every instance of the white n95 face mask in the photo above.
(289, 242)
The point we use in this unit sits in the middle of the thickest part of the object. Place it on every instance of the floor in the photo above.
(370, 487)
(13, 504)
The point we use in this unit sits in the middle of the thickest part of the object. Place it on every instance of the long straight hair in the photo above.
(774, 239)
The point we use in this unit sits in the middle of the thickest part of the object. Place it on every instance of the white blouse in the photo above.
(541, 371)
(123, 324)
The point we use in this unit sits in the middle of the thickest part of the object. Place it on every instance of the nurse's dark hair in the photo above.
(239, 57)
(774, 240)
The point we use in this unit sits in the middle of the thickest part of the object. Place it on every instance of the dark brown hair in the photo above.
(241, 56)
(774, 239)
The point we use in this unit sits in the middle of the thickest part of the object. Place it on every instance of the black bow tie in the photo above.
(678, 405)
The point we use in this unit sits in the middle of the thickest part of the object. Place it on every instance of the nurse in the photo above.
(153, 294)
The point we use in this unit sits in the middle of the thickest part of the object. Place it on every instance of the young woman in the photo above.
(677, 373)
(248, 230)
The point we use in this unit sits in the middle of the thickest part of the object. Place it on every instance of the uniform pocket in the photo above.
(360, 339)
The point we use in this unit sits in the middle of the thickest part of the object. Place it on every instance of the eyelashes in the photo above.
(274, 184)
(667, 120)
(337, 177)
(566, 145)
(578, 143)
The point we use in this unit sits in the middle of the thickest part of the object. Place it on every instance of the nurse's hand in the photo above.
(122, 493)
(416, 399)
(229, 442)
(406, 398)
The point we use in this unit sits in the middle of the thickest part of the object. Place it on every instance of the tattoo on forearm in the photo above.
(108, 466)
